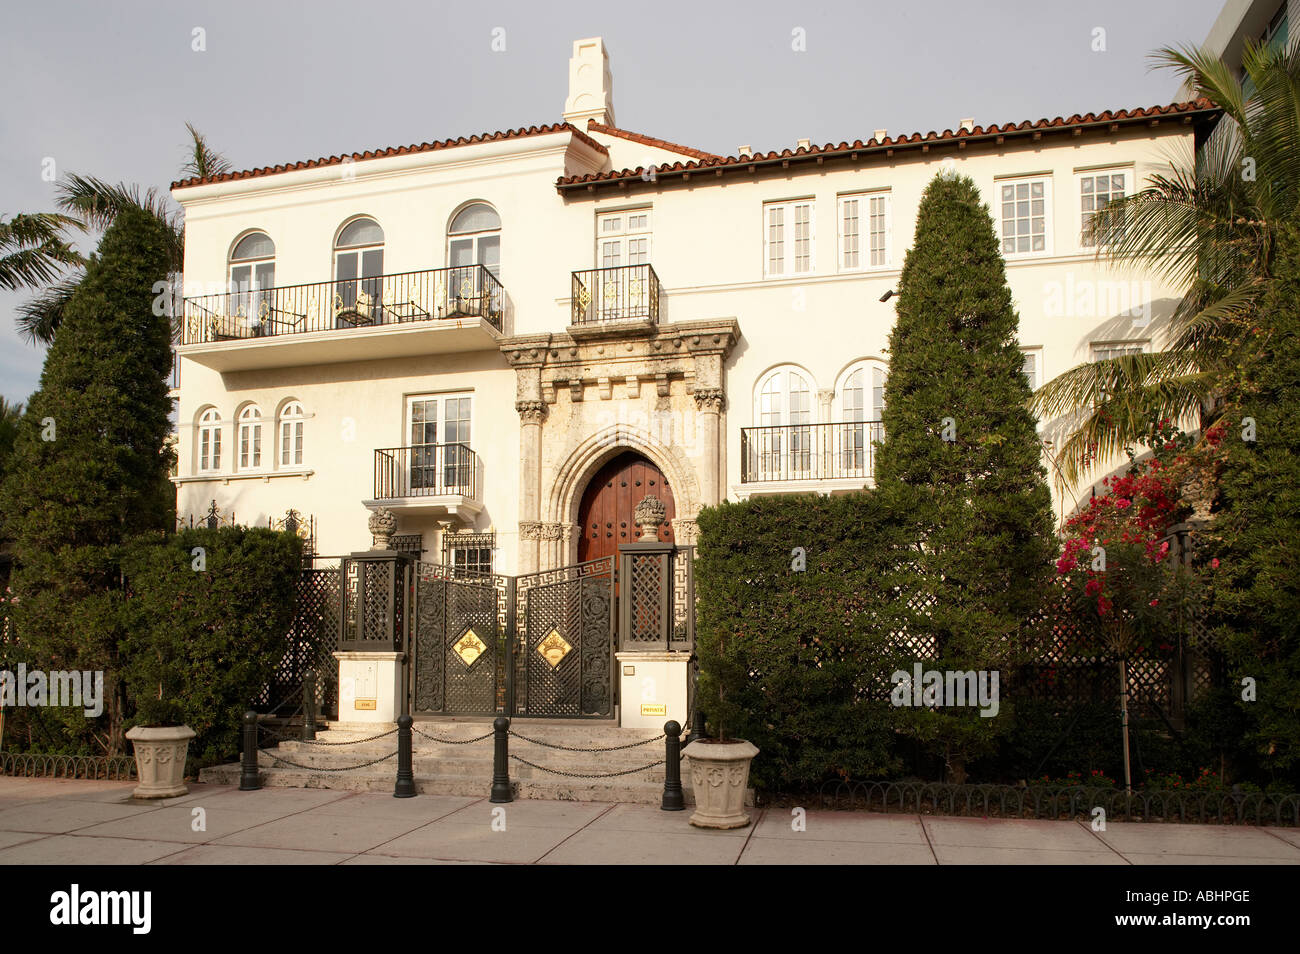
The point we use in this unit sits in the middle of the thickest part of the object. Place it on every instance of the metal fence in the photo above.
(809, 451)
(426, 470)
(625, 293)
(310, 643)
(469, 291)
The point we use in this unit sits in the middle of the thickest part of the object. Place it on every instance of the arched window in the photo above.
(782, 448)
(252, 275)
(358, 265)
(862, 408)
(474, 238)
(209, 441)
(250, 438)
(291, 421)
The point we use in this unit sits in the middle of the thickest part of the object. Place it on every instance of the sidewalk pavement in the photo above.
(49, 821)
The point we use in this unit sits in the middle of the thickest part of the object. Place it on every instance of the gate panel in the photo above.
(473, 647)
(458, 648)
(566, 620)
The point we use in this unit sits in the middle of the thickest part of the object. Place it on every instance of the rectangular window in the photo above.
(1024, 205)
(1030, 367)
(412, 543)
(1096, 191)
(880, 230)
(469, 553)
(849, 232)
(865, 229)
(210, 448)
(1104, 352)
(623, 238)
(290, 443)
(441, 455)
(788, 237)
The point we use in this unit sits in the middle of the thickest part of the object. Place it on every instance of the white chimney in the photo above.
(803, 144)
(968, 125)
(591, 85)
(880, 134)
(745, 151)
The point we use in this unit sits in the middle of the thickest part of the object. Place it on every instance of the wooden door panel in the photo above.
(607, 511)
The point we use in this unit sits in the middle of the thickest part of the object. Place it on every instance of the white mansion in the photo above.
(509, 339)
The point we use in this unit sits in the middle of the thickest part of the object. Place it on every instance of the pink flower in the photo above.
(1214, 564)
(1155, 602)
(1123, 503)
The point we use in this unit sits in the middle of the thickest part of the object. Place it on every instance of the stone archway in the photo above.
(564, 496)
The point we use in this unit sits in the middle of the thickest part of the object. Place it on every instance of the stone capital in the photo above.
(531, 412)
(686, 533)
(709, 400)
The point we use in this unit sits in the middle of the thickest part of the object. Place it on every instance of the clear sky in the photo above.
(106, 88)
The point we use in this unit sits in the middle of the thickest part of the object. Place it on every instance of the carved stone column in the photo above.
(826, 398)
(531, 414)
(708, 429)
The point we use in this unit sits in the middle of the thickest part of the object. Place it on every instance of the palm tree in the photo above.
(1210, 227)
(33, 250)
(92, 203)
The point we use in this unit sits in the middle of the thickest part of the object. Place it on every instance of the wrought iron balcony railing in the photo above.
(809, 451)
(426, 470)
(626, 293)
(468, 291)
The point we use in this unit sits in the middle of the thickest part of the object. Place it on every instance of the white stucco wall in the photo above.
(707, 251)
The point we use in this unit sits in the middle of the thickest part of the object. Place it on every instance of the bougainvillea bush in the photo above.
(1116, 563)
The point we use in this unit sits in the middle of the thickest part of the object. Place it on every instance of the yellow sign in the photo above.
(553, 648)
(656, 709)
(365, 704)
(469, 648)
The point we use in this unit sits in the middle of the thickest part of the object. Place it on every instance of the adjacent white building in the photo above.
(509, 339)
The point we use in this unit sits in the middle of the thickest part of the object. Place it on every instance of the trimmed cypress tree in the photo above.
(1254, 580)
(961, 462)
(89, 468)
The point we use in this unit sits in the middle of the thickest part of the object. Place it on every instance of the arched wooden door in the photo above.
(606, 514)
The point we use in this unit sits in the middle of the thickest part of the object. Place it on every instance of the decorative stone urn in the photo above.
(160, 753)
(650, 514)
(720, 778)
(383, 524)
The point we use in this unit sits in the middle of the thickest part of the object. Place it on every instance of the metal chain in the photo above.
(382, 735)
(543, 768)
(575, 748)
(289, 738)
(321, 768)
(434, 738)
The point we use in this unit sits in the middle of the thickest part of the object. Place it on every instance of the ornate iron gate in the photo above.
(565, 662)
(459, 646)
(536, 645)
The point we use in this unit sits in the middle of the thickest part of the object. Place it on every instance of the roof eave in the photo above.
(622, 178)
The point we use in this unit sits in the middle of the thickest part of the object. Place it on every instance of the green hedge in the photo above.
(803, 658)
(202, 643)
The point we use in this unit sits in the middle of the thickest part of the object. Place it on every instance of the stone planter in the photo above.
(720, 778)
(160, 759)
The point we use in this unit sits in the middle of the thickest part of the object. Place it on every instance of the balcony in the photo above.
(427, 479)
(623, 297)
(435, 311)
(804, 457)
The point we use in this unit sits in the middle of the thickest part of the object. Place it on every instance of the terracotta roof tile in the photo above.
(593, 126)
(1124, 116)
(394, 151)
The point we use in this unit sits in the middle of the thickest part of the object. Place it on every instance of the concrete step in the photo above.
(446, 768)
(553, 787)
